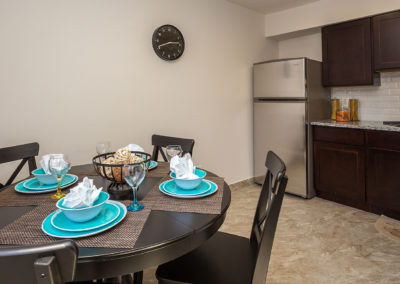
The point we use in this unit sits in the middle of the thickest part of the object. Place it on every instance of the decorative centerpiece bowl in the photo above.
(113, 172)
(118, 188)
(43, 178)
(86, 213)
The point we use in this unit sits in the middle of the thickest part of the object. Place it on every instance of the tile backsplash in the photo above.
(376, 103)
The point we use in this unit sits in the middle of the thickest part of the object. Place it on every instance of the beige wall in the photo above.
(76, 72)
(308, 45)
(324, 12)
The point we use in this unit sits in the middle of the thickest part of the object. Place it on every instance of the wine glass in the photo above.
(134, 175)
(103, 147)
(59, 165)
(173, 150)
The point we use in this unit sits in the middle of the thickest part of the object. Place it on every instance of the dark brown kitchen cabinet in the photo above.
(347, 54)
(383, 173)
(386, 41)
(383, 187)
(340, 173)
(359, 168)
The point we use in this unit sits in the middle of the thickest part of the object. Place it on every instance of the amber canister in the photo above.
(335, 107)
(354, 110)
(343, 113)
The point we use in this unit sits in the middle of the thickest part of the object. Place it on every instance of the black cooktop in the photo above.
(392, 123)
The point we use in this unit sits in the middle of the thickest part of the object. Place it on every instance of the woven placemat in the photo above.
(26, 230)
(84, 170)
(161, 171)
(10, 197)
(206, 205)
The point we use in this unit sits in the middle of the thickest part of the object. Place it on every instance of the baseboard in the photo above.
(242, 183)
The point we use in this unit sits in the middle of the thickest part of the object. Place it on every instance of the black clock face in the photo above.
(168, 42)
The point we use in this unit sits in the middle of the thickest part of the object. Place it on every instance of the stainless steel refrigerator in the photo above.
(288, 95)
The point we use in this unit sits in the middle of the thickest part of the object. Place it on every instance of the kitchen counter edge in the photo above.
(362, 124)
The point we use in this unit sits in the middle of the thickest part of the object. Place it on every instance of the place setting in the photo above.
(187, 181)
(85, 211)
(52, 176)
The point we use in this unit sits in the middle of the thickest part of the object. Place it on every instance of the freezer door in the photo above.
(279, 79)
(280, 127)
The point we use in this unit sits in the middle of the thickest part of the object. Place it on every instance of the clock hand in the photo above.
(168, 43)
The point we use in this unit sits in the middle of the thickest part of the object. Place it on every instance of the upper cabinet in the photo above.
(386, 38)
(347, 54)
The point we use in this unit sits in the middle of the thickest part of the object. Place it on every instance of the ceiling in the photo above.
(270, 6)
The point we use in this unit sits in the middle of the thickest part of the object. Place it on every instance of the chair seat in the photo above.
(224, 258)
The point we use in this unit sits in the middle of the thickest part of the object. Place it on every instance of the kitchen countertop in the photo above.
(363, 124)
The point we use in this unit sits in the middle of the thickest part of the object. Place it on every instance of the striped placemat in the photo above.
(161, 170)
(207, 205)
(26, 230)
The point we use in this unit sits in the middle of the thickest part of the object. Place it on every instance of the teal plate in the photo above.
(108, 213)
(171, 187)
(198, 172)
(48, 229)
(34, 184)
(21, 189)
(153, 165)
(212, 188)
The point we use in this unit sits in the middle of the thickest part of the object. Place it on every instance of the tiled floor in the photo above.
(317, 241)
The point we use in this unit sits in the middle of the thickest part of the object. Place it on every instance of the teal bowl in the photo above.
(84, 214)
(188, 184)
(197, 172)
(44, 178)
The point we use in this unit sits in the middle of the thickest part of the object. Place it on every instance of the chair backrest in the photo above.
(267, 214)
(159, 142)
(26, 153)
(45, 264)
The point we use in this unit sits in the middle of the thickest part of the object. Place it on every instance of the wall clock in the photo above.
(168, 42)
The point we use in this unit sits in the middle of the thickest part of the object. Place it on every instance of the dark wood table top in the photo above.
(165, 235)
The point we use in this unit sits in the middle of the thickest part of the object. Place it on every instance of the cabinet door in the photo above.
(346, 52)
(386, 40)
(383, 182)
(339, 173)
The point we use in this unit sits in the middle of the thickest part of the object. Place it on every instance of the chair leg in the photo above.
(138, 277)
(127, 279)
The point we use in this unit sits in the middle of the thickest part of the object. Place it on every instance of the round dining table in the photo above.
(166, 235)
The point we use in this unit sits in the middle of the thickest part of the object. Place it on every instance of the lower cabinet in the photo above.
(360, 169)
(383, 182)
(339, 172)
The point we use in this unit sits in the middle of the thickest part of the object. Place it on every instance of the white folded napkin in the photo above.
(183, 167)
(44, 162)
(134, 147)
(82, 195)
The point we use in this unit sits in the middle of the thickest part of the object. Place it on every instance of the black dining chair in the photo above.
(160, 142)
(43, 264)
(227, 258)
(26, 153)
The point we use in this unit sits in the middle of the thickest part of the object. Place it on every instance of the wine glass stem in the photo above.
(59, 185)
(134, 194)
